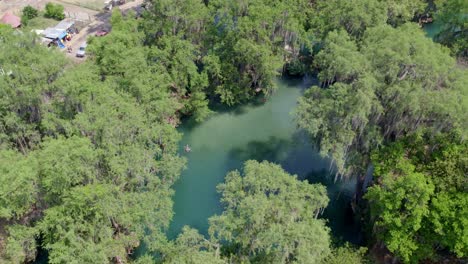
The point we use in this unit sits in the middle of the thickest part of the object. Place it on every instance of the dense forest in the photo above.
(89, 152)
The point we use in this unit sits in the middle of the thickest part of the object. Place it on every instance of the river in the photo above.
(260, 131)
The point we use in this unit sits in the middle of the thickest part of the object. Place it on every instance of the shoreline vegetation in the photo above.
(89, 153)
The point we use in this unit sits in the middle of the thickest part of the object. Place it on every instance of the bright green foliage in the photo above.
(54, 11)
(353, 16)
(396, 82)
(401, 11)
(248, 40)
(165, 73)
(97, 223)
(95, 173)
(340, 59)
(64, 163)
(81, 229)
(271, 217)
(346, 254)
(191, 247)
(26, 69)
(400, 202)
(419, 200)
(453, 16)
(18, 184)
(239, 45)
(183, 18)
(28, 13)
(21, 245)
(176, 59)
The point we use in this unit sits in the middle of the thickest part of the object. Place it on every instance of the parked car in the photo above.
(101, 33)
(82, 50)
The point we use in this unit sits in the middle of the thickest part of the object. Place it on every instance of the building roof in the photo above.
(64, 25)
(53, 33)
(11, 20)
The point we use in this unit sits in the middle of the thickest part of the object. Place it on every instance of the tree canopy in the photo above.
(85, 170)
(454, 23)
(418, 201)
(270, 216)
(89, 151)
(388, 85)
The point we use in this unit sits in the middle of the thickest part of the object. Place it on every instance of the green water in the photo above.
(432, 29)
(265, 131)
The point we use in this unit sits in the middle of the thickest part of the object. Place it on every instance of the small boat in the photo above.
(187, 148)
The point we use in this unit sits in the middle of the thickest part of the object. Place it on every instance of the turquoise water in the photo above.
(432, 29)
(265, 131)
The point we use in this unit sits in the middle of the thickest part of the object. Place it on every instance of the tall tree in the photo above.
(26, 70)
(271, 216)
(454, 34)
(396, 82)
(418, 201)
(18, 184)
(85, 168)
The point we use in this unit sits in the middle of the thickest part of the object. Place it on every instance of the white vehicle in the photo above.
(82, 50)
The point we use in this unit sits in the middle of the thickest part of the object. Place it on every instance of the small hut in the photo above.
(12, 20)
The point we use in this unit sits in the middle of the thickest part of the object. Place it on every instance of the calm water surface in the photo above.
(265, 131)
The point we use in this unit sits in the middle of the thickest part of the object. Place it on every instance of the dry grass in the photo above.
(97, 5)
(41, 23)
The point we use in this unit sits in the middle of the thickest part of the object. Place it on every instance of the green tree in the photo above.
(352, 16)
(401, 204)
(64, 163)
(95, 171)
(418, 200)
(21, 244)
(191, 247)
(346, 254)
(25, 85)
(18, 184)
(396, 82)
(401, 11)
(73, 234)
(186, 19)
(358, 15)
(270, 216)
(166, 73)
(55, 11)
(454, 33)
(28, 13)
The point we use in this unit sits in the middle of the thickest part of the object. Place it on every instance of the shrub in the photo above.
(28, 13)
(54, 11)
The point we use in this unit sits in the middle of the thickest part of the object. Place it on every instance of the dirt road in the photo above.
(98, 20)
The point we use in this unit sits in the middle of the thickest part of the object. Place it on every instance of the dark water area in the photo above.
(264, 131)
(432, 29)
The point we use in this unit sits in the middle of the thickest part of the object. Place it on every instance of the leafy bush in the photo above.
(28, 13)
(54, 11)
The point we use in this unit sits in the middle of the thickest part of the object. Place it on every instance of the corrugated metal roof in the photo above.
(64, 25)
(53, 33)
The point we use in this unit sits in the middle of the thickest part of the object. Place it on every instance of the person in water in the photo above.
(187, 148)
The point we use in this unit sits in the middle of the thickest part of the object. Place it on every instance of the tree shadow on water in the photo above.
(271, 149)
